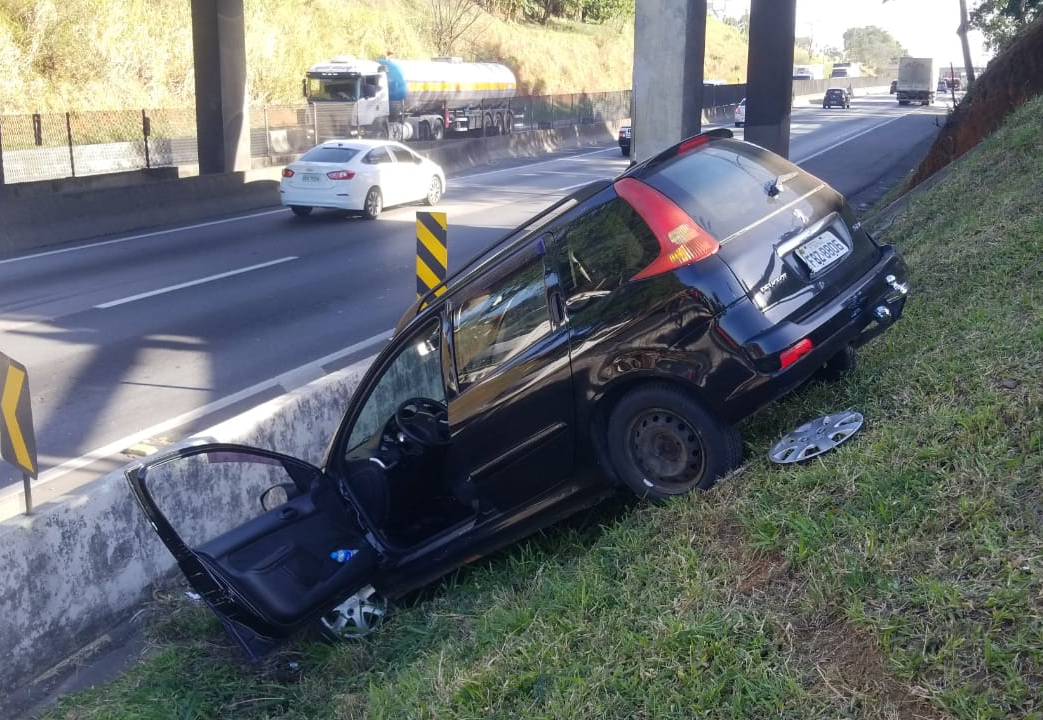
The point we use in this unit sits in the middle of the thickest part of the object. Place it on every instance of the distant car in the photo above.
(614, 341)
(624, 140)
(894, 86)
(836, 97)
(740, 113)
(360, 175)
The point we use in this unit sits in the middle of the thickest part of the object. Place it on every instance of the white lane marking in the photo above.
(516, 168)
(848, 139)
(187, 417)
(141, 236)
(191, 283)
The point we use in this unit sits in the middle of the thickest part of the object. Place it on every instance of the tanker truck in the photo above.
(409, 99)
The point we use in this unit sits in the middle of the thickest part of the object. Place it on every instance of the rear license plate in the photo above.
(822, 251)
(310, 177)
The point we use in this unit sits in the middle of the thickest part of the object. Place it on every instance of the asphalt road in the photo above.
(153, 336)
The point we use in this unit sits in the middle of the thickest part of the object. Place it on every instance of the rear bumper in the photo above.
(859, 315)
(289, 196)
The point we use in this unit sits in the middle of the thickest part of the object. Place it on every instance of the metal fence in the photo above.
(48, 146)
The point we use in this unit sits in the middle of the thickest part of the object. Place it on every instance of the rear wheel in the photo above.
(664, 443)
(840, 365)
(434, 191)
(300, 210)
(374, 204)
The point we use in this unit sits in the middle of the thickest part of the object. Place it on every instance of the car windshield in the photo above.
(416, 371)
(328, 154)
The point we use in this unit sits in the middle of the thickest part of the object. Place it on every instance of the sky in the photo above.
(926, 28)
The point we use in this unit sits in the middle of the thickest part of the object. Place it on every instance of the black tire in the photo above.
(840, 365)
(437, 131)
(374, 204)
(663, 443)
(300, 210)
(434, 191)
(625, 151)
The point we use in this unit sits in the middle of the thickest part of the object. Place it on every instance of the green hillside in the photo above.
(117, 54)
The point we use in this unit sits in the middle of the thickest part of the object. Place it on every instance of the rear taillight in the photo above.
(286, 172)
(681, 240)
(340, 174)
(795, 352)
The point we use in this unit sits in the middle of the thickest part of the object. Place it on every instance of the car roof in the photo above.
(358, 143)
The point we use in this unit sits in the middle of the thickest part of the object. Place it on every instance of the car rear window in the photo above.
(727, 187)
(326, 154)
(604, 248)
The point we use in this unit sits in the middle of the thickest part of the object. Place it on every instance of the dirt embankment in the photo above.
(1011, 78)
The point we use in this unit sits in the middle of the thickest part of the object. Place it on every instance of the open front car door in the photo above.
(268, 541)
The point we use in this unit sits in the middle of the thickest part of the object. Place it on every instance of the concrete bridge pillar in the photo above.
(222, 105)
(667, 98)
(769, 75)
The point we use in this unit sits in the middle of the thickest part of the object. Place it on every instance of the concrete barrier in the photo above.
(86, 561)
(52, 212)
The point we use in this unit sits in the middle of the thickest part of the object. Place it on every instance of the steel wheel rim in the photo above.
(665, 448)
(434, 194)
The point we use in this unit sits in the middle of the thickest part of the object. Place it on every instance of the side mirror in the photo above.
(277, 495)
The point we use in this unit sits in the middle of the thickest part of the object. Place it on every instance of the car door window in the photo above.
(500, 320)
(415, 371)
(378, 156)
(602, 249)
(404, 155)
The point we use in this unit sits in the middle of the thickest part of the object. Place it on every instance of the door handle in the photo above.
(557, 307)
(287, 513)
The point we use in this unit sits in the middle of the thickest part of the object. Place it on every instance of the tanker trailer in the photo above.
(446, 96)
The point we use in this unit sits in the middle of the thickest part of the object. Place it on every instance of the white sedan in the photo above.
(360, 175)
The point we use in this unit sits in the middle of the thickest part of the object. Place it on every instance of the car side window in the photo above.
(403, 155)
(377, 156)
(500, 321)
(602, 249)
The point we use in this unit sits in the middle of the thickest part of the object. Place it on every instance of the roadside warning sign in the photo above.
(17, 442)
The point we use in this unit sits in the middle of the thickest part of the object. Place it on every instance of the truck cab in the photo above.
(349, 98)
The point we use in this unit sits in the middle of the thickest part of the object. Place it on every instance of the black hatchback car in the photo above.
(613, 341)
(838, 97)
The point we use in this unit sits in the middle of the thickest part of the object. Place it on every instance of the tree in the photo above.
(872, 46)
(961, 30)
(1000, 20)
(601, 11)
(450, 20)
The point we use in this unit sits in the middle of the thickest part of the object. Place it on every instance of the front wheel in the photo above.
(664, 443)
(374, 204)
(434, 191)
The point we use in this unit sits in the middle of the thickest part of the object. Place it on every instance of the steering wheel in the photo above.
(424, 421)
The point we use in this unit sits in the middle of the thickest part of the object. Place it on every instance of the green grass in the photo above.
(899, 576)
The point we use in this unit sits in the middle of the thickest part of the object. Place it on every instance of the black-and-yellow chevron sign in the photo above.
(432, 253)
(17, 442)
